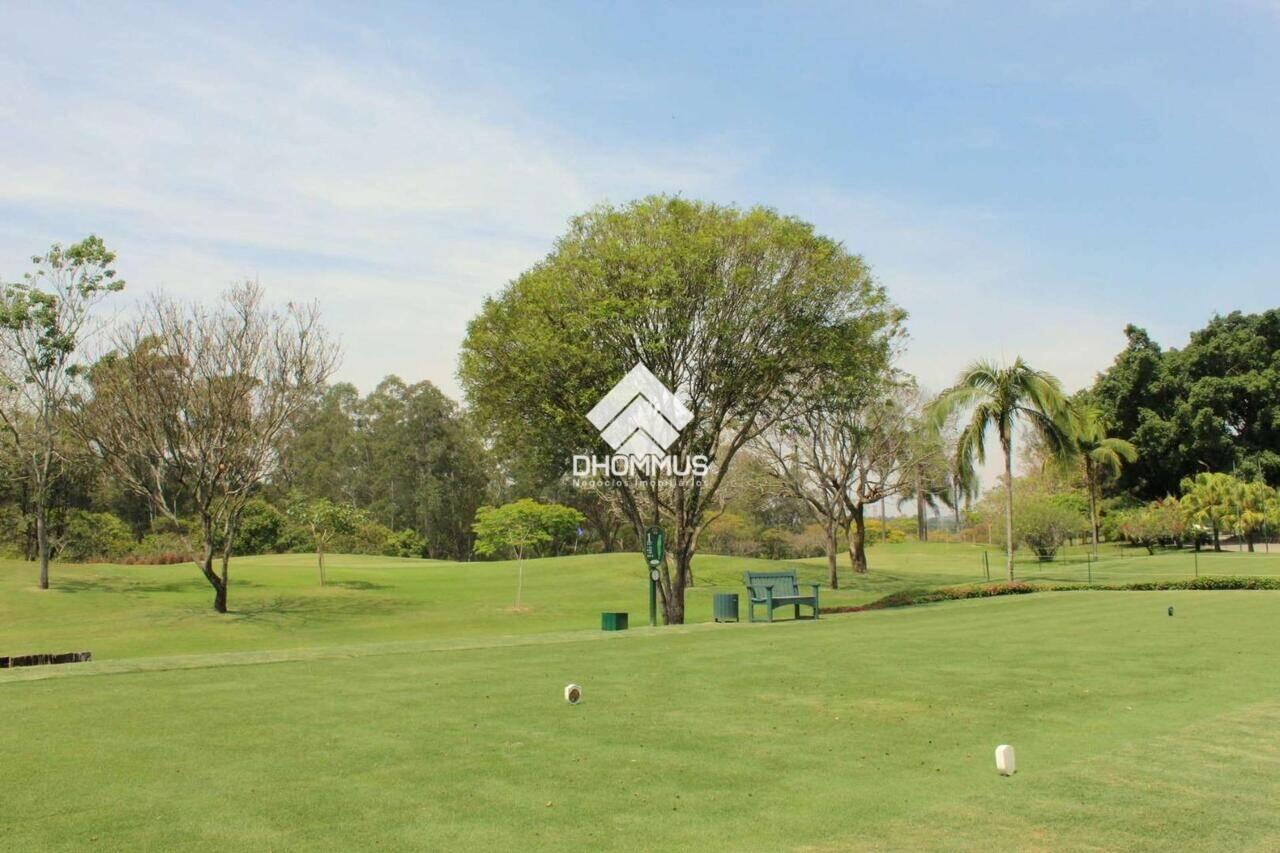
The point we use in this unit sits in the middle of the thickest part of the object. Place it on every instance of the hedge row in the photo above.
(912, 597)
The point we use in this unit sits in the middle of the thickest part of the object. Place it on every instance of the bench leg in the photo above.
(751, 611)
(797, 616)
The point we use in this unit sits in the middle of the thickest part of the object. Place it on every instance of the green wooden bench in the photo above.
(777, 589)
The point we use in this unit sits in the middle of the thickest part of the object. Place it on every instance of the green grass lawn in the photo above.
(406, 708)
(277, 603)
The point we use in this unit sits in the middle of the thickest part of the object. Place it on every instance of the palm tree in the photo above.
(1250, 503)
(964, 485)
(1207, 501)
(1000, 398)
(927, 494)
(1100, 453)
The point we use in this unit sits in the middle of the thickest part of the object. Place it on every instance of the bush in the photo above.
(369, 537)
(13, 530)
(160, 549)
(89, 536)
(775, 543)
(1044, 524)
(908, 598)
(405, 543)
(260, 528)
(731, 535)
(1220, 582)
(876, 532)
(911, 597)
(809, 542)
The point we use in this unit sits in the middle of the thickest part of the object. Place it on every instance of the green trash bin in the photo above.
(725, 606)
(613, 621)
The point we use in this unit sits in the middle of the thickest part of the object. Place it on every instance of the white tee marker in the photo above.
(1005, 762)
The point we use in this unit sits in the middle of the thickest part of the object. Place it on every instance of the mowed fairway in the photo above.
(1134, 729)
(277, 602)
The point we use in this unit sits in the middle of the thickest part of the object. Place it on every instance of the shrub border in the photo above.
(914, 597)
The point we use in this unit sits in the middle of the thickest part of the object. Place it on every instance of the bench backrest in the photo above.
(783, 583)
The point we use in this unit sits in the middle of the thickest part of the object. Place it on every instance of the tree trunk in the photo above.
(673, 598)
(226, 572)
(884, 520)
(206, 568)
(320, 560)
(1008, 505)
(42, 542)
(858, 542)
(1217, 543)
(1093, 506)
(922, 526)
(831, 546)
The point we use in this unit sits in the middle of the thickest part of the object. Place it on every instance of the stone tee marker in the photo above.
(1005, 762)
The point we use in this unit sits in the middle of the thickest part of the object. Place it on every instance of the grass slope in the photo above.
(130, 611)
(277, 603)
(1134, 731)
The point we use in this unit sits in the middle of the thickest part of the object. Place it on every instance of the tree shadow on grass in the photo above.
(293, 612)
(131, 585)
(360, 585)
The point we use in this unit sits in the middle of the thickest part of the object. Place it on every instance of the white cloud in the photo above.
(401, 200)
(398, 202)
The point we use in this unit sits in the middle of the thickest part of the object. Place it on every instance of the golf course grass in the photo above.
(407, 707)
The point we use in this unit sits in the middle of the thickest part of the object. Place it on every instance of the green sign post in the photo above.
(655, 548)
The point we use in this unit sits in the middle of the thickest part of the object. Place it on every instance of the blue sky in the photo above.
(1024, 179)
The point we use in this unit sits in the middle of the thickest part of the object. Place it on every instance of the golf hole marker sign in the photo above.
(1006, 763)
(655, 546)
(655, 549)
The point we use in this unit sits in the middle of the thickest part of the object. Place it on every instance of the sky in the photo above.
(1024, 179)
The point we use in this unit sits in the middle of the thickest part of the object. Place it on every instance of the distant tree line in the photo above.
(196, 431)
(1212, 406)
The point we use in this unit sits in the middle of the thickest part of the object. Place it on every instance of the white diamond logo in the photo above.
(640, 417)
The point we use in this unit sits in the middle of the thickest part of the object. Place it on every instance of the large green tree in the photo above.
(1213, 405)
(999, 398)
(734, 310)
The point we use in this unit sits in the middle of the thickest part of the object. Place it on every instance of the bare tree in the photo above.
(43, 321)
(807, 458)
(880, 446)
(189, 409)
(846, 454)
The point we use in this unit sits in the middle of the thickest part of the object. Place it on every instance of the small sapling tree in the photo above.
(519, 527)
(324, 519)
